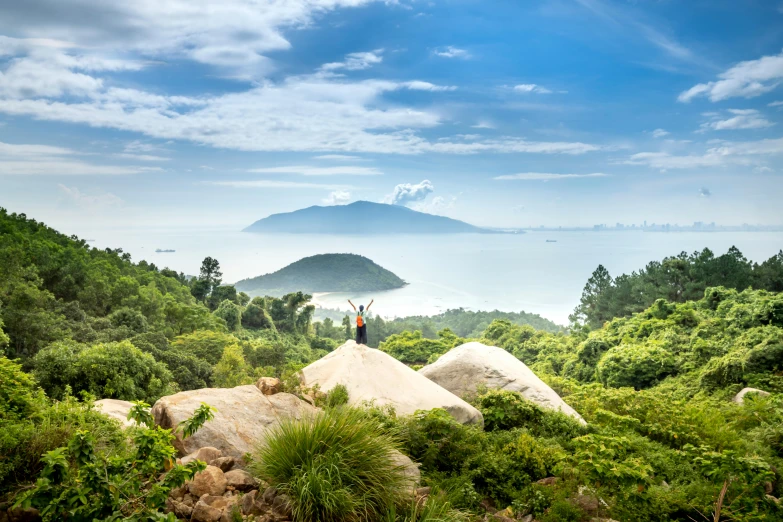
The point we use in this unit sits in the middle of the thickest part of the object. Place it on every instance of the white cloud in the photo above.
(233, 35)
(483, 125)
(73, 196)
(746, 79)
(747, 153)
(407, 193)
(356, 61)
(451, 52)
(546, 176)
(141, 157)
(438, 205)
(659, 133)
(268, 183)
(25, 159)
(775, 104)
(531, 87)
(742, 119)
(338, 157)
(305, 170)
(338, 197)
(417, 85)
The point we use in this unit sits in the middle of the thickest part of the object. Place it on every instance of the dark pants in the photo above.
(361, 334)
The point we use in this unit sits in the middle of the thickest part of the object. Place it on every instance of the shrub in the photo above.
(335, 466)
(337, 396)
(116, 370)
(232, 369)
(634, 365)
(504, 410)
(18, 392)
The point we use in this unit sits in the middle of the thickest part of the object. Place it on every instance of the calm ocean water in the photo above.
(477, 272)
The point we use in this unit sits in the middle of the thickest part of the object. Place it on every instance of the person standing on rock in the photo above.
(361, 322)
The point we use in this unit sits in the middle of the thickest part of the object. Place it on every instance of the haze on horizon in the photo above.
(506, 114)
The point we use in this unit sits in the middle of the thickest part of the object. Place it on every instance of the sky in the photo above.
(196, 113)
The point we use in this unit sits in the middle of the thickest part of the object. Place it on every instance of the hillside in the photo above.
(363, 218)
(323, 273)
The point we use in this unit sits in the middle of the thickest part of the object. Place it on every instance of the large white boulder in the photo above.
(243, 416)
(740, 397)
(116, 409)
(464, 368)
(373, 375)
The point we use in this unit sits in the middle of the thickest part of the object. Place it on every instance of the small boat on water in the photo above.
(551, 240)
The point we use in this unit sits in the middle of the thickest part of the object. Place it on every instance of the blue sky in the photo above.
(506, 113)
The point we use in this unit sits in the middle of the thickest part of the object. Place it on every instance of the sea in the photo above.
(538, 272)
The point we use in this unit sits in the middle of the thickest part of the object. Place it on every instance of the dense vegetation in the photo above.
(323, 273)
(663, 442)
(676, 279)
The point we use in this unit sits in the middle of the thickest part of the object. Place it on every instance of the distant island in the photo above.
(323, 273)
(362, 217)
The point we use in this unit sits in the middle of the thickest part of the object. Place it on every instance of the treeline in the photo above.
(676, 279)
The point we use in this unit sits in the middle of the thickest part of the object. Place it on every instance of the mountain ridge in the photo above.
(362, 218)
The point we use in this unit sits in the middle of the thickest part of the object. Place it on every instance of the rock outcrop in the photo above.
(740, 397)
(372, 375)
(463, 369)
(243, 415)
(116, 409)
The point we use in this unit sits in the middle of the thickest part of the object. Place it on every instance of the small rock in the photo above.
(410, 469)
(740, 397)
(423, 492)
(587, 503)
(211, 481)
(308, 399)
(282, 505)
(773, 499)
(252, 504)
(188, 500)
(178, 493)
(181, 510)
(489, 506)
(206, 454)
(269, 385)
(241, 480)
(269, 495)
(224, 463)
(768, 489)
(549, 481)
(203, 512)
(526, 518)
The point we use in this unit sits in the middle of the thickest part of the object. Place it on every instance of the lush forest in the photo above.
(676, 279)
(664, 442)
(323, 273)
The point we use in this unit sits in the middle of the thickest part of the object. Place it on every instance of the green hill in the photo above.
(323, 273)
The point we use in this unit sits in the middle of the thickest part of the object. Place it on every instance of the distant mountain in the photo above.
(323, 273)
(362, 217)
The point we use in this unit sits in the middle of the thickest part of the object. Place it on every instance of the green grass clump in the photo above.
(336, 465)
(337, 396)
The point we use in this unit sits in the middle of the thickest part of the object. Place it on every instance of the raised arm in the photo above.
(354, 307)
(369, 305)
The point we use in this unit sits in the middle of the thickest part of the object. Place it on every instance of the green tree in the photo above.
(230, 313)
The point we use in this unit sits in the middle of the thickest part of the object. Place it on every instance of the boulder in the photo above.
(253, 504)
(211, 481)
(116, 409)
(269, 385)
(243, 416)
(209, 509)
(240, 480)
(372, 375)
(410, 469)
(464, 368)
(740, 397)
(224, 463)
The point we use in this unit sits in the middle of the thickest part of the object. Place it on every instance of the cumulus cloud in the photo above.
(407, 193)
(338, 197)
(776, 104)
(73, 196)
(746, 79)
(427, 86)
(547, 176)
(705, 192)
(451, 52)
(742, 119)
(659, 133)
(531, 87)
(356, 61)
(304, 170)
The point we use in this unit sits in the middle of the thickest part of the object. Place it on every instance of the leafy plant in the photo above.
(81, 483)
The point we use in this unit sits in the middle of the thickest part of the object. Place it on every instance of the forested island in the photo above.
(653, 363)
(323, 273)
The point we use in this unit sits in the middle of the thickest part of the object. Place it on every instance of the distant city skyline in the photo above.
(148, 114)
